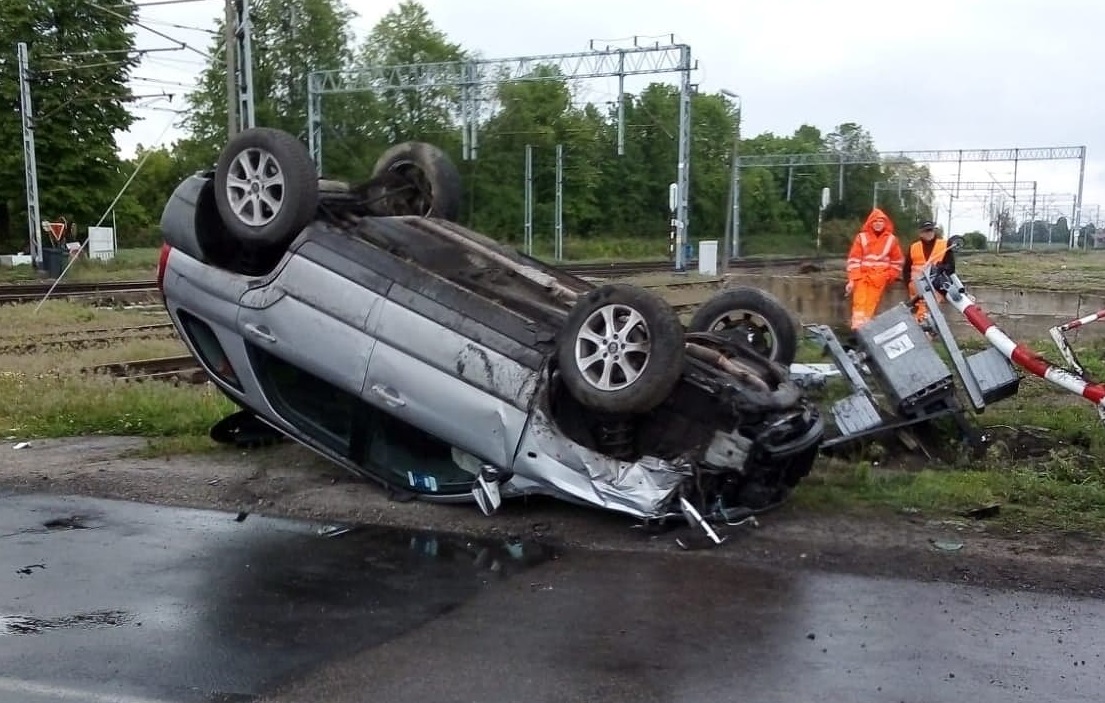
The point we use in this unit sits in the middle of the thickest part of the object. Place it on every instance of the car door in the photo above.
(314, 320)
(440, 371)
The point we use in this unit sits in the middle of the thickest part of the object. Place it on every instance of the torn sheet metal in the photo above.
(642, 488)
(812, 375)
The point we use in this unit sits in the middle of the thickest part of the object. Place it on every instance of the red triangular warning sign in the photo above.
(57, 231)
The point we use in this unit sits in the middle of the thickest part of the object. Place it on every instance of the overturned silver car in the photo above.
(361, 321)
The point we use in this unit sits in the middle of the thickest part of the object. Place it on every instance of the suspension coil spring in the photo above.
(615, 438)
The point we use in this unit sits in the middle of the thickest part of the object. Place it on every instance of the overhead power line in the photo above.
(103, 52)
(163, 81)
(183, 45)
(185, 27)
(155, 3)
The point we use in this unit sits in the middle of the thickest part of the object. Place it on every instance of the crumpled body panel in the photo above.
(552, 464)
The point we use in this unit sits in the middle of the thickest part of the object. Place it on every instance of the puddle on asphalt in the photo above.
(22, 625)
(242, 602)
(503, 557)
(73, 522)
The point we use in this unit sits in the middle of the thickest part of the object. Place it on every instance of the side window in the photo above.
(384, 445)
(405, 455)
(326, 410)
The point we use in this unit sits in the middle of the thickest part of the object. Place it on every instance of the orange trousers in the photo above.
(921, 311)
(866, 296)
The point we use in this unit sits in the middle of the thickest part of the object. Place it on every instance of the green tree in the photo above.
(975, 240)
(850, 140)
(290, 38)
(531, 113)
(906, 194)
(162, 171)
(406, 35)
(81, 55)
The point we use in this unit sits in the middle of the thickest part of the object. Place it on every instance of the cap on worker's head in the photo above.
(928, 226)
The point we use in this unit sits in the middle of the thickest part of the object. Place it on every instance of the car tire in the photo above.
(248, 160)
(732, 312)
(433, 175)
(626, 383)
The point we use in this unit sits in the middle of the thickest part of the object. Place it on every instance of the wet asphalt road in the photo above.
(104, 601)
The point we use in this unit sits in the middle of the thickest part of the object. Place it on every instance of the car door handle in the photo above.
(389, 395)
(260, 332)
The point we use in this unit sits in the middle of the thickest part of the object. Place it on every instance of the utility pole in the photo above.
(529, 200)
(231, 69)
(244, 47)
(30, 165)
(559, 202)
(733, 218)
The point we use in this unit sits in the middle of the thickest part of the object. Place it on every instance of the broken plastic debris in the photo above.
(947, 546)
(22, 445)
(984, 511)
(333, 530)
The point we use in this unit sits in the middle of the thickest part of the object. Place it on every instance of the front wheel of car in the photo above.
(621, 350)
(266, 187)
(753, 316)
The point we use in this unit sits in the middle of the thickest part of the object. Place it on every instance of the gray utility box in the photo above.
(905, 361)
(996, 376)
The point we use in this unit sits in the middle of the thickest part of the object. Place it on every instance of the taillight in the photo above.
(162, 262)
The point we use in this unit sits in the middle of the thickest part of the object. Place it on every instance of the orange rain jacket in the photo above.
(874, 261)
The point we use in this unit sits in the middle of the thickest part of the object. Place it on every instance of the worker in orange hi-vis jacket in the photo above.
(874, 262)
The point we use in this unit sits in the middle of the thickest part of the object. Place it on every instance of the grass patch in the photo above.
(64, 405)
(1075, 271)
(578, 250)
(128, 265)
(23, 322)
(1060, 492)
(45, 394)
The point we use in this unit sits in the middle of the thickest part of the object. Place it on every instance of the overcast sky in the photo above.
(943, 74)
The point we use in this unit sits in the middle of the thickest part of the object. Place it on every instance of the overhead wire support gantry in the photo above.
(959, 156)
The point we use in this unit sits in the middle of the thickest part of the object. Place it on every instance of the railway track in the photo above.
(625, 268)
(83, 339)
(33, 292)
(166, 368)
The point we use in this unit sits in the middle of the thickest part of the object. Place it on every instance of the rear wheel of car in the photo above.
(419, 179)
(621, 350)
(753, 315)
(266, 187)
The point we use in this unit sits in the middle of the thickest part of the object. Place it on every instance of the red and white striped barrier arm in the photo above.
(1075, 324)
(1027, 359)
(1058, 333)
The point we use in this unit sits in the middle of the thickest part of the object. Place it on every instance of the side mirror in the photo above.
(486, 489)
(956, 241)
